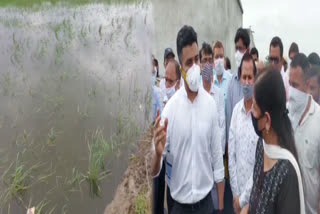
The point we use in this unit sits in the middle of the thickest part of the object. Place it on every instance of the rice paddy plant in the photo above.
(17, 181)
(98, 150)
(74, 183)
(43, 207)
(52, 136)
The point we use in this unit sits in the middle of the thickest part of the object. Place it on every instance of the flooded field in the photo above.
(75, 96)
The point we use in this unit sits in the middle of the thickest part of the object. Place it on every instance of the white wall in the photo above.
(212, 20)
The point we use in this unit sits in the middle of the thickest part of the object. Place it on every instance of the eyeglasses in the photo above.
(274, 60)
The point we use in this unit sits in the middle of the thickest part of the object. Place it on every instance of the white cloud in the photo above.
(291, 20)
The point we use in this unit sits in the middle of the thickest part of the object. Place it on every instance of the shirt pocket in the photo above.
(309, 154)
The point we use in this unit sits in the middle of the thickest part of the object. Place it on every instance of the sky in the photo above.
(292, 20)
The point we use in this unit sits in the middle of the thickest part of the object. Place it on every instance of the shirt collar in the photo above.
(212, 89)
(223, 77)
(243, 108)
(185, 95)
(311, 110)
(282, 70)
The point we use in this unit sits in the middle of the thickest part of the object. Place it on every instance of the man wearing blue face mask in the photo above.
(234, 93)
(304, 114)
(242, 138)
(172, 79)
(188, 136)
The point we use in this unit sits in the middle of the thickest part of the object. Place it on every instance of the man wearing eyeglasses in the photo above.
(276, 59)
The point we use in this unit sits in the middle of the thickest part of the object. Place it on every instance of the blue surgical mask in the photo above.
(247, 91)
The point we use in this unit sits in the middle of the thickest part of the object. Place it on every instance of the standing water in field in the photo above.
(75, 95)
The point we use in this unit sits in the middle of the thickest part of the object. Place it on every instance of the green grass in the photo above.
(98, 150)
(17, 181)
(31, 3)
(142, 205)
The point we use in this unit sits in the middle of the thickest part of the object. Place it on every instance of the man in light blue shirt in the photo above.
(156, 93)
(221, 76)
(234, 94)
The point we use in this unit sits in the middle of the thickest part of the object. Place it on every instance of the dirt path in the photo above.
(134, 192)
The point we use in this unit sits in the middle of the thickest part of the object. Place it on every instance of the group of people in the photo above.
(246, 141)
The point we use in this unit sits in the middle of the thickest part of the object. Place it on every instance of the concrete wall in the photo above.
(212, 20)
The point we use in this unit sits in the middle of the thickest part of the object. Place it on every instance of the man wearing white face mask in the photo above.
(187, 135)
(304, 114)
(221, 77)
(172, 79)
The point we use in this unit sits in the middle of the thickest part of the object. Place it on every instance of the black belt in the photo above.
(196, 205)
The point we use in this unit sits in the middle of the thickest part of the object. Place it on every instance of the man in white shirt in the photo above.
(242, 138)
(304, 114)
(172, 84)
(189, 137)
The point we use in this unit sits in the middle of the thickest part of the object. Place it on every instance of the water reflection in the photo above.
(73, 99)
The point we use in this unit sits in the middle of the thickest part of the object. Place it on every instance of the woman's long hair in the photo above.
(270, 96)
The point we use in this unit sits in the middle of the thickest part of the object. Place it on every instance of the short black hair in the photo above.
(301, 60)
(177, 68)
(276, 42)
(254, 51)
(155, 62)
(247, 57)
(314, 59)
(206, 48)
(270, 95)
(293, 48)
(186, 36)
(315, 71)
(228, 63)
(242, 34)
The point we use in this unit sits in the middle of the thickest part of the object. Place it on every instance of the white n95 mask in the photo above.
(193, 78)
(219, 66)
(297, 104)
(238, 57)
